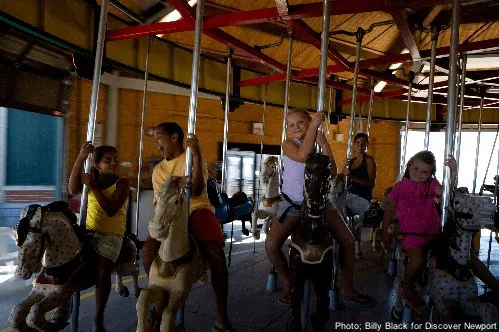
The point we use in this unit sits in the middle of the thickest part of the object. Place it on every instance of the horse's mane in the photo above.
(159, 227)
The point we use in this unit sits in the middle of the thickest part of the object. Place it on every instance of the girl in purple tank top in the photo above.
(303, 132)
(413, 199)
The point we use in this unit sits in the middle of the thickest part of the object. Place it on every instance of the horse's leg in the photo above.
(398, 304)
(297, 287)
(61, 313)
(176, 299)
(36, 318)
(321, 284)
(135, 276)
(17, 319)
(487, 311)
(120, 289)
(148, 296)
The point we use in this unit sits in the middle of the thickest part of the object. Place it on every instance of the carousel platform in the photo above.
(251, 308)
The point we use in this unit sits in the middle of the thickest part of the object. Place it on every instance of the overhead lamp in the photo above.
(175, 15)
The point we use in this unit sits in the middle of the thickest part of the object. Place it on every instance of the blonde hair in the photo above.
(302, 111)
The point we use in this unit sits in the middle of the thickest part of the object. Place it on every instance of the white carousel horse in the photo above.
(270, 202)
(350, 206)
(48, 240)
(178, 264)
(451, 286)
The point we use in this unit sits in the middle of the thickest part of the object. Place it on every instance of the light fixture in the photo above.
(381, 84)
(175, 15)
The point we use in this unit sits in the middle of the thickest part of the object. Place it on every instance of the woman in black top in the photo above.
(361, 173)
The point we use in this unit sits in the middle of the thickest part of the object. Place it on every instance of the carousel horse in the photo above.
(270, 202)
(351, 207)
(450, 284)
(178, 264)
(50, 241)
(238, 207)
(311, 254)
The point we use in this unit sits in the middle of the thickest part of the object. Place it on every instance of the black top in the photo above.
(360, 173)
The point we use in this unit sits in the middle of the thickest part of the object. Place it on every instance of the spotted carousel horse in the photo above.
(50, 241)
(311, 254)
(178, 264)
(270, 201)
(450, 285)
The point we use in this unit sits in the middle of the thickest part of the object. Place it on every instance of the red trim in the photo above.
(270, 15)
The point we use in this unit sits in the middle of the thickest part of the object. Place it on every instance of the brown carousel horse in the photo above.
(311, 249)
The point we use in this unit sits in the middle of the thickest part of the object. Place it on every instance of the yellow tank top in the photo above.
(97, 218)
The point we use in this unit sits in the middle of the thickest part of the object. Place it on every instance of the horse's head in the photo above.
(170, 201)
(30, 242)
(270, 168)
(473, 212)
(317, 175)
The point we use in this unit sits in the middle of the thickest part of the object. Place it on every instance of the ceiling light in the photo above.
(379, 86)
(175, 15)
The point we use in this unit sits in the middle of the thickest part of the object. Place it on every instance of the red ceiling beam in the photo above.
(266, 15)
(261, 80)
(400, 18)
(308, 34)
(221, 36)
(473, 47)
(184, 9)
(254, 54)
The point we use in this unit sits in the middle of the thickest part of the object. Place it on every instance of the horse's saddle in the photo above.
(168, 270)
(459, 272)
(268, 202)
(310, 253)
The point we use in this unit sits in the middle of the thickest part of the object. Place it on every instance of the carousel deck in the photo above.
(250, 307)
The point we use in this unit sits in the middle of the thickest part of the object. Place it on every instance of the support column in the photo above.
(3, 150)
(113, 100)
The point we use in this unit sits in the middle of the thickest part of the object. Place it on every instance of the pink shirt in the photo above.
(416, 210)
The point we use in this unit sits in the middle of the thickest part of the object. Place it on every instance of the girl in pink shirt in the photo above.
(413, 200)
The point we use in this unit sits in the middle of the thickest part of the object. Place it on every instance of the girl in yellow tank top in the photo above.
(106, 214)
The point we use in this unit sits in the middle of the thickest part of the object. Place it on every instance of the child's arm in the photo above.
(198, 180)
(75, 185)
(391, 207)
(300, 153)
(326, 150)
(484, 274)
(110, 205)
(451, 163)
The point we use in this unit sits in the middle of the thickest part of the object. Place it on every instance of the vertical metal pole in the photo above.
(496, 181)
(99, 54)
(328, 118)
(451, 102)
(477, 151)
(433, 58)
(141, 145)
(286, 98)
(461, 107)
(228, 84)
(407, 116)
(323, 63)
(371, 100)
(360, 36)
(191, 126)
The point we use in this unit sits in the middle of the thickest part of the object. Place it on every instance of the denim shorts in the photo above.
(294, 212)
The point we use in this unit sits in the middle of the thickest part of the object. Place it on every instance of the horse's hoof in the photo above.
(245, 231)
(124, 292)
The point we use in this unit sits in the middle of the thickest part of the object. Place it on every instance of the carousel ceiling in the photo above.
(397, 39)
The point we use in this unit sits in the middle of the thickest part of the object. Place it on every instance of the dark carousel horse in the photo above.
(311, 254)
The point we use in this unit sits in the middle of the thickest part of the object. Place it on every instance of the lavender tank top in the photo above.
(293, 177)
